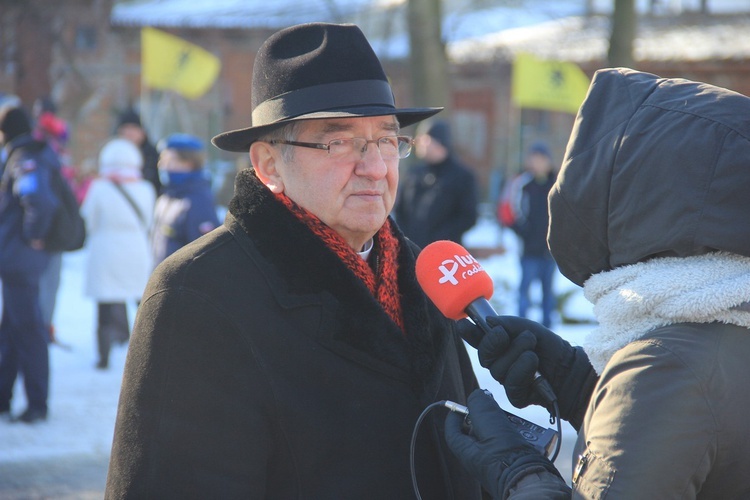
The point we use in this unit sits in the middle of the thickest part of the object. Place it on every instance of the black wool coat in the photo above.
(261, 367)
(437, 202)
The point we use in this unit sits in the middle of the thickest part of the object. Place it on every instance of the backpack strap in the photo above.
(5, 179)
(132, 203)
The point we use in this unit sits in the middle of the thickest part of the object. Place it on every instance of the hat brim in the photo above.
(239, 140)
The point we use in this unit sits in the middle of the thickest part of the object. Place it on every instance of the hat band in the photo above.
(325, 97)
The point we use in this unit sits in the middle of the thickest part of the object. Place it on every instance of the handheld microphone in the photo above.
(459, 287)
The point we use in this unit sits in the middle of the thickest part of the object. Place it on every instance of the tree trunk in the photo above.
(429, 61)
(623, 34)
(31, 49)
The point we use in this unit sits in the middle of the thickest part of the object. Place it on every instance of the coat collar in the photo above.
(308, 267)
(633, 300)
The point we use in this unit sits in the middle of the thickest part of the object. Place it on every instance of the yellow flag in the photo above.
(171, 63)
(550, 85)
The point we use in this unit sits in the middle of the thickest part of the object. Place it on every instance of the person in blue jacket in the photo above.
(185, 210)
(27, 205)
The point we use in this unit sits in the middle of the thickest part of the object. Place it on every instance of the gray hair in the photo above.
(286, 132)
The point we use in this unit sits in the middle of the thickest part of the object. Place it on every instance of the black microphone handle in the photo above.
(478, 310)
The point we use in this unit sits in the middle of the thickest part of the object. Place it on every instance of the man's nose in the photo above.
(372, 163)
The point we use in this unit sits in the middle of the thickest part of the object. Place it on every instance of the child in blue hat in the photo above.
(185, 210)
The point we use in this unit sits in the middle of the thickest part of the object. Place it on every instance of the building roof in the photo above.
(227, 14)
(552, 29)
(383, 21)
(584, 39)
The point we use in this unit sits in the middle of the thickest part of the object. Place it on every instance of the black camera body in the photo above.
(543, 440)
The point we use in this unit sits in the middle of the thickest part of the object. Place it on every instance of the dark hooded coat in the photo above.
(437, 202)
(658, 168)
(260, 366)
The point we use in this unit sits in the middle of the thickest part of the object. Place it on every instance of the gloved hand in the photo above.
(494, 452)
(516, 348)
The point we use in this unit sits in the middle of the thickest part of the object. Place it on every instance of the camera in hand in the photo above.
(543, 440)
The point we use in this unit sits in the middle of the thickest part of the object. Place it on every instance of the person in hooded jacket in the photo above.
(650, 216)
(438, 198)
(290, 352)
(185, 210)
(27, 206)
(118, 210)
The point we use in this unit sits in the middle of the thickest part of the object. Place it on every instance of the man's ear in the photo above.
(264, 158)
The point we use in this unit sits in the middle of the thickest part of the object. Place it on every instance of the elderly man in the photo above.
(289, 353)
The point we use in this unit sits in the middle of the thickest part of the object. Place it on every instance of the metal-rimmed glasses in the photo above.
(391, 147)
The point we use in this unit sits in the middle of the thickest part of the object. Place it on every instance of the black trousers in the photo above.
(113, 326)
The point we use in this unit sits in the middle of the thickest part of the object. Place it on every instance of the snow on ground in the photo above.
(83, 400)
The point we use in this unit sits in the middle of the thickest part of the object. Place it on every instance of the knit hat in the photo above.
(540, 148)
(129, 117)
(119, 155)
(15, 123)
(181, 142)
(51, 125)
(440, 130)
(44, 105)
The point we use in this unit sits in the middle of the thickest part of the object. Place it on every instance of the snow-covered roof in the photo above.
(473, 31)
(582, 39)
(462, 18)
(227, 14)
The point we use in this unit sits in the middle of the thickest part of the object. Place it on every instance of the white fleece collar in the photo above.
(632, 300)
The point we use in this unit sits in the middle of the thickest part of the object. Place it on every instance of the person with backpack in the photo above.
(27, 207)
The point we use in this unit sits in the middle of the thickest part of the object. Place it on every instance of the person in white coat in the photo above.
(118, 210)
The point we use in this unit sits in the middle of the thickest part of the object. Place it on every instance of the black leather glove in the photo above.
(516, 348)
(494, 452)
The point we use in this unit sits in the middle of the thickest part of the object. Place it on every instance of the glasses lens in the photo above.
(388, 147)
(404, 146)
(341, 148)
(391, 147)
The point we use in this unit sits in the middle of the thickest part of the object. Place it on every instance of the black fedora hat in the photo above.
(316, 70)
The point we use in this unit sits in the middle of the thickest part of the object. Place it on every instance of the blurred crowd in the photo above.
(140, 204)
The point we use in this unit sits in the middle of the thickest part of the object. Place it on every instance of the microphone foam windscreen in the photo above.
(452, 278)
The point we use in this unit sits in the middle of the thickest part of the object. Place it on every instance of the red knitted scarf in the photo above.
(383, 282)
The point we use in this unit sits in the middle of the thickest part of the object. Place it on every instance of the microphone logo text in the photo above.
(461, 265)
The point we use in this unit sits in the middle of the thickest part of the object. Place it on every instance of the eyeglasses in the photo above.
(391, 147)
